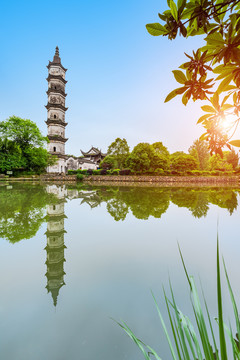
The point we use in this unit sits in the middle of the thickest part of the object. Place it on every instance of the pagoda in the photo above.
(56, 113)
(55, 243)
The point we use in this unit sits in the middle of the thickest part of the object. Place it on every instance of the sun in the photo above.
(227, 121)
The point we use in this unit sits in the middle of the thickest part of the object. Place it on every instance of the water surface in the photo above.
(73, 257)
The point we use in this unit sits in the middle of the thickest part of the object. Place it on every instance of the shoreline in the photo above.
(131, 180)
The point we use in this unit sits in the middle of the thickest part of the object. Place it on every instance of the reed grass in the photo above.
(186, 343)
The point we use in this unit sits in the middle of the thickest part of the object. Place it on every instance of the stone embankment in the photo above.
(234, 180)
(134, 179)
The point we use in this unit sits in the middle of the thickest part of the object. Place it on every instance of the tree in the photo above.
(216, 162)
(10, 156)
(119, 149)
(199, 150)
(183, 162)
(109, 162)
(23, 132)
(219, 58)
(144, 158)
(232, 158)
(160, 149)
(22, 146)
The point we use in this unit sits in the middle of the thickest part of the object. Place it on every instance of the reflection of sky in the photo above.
(118, 74)
(110, 268)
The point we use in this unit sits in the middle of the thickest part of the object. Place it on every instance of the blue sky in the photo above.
(118, 75)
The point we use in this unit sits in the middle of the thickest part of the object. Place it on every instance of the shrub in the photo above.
(97, 172)
(72, 172)
(159, 172)
(125, 172)
(90, 171)
(103, 172)
(115, 172)
(80, 177)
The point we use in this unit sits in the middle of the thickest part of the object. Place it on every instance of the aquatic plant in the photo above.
(190, 344)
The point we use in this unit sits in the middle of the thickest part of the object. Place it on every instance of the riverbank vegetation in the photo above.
(22, 147)
(155, 159)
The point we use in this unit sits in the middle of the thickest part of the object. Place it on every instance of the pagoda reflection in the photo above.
(55, 242)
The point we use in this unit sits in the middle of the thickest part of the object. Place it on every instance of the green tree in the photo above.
(144, 158)
(10, 156)
(199, 150)
(23, 132)
(22, 146)
(183, 162)
(119, 149)
(232, 158)
(109, 162)
(218, 59)
(216, 162)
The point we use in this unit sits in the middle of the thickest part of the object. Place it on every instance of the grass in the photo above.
(184, 341)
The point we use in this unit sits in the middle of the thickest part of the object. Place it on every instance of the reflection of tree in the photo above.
(145, 202)
(224, 198)
(201, 208)
(22, 210)
(184, 197)
(117, 209)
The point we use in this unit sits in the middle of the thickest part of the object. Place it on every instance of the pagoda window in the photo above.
(55, 117)
(54, 148)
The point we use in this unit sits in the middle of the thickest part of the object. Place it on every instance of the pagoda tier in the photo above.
(58, 154)
(52, 90)
(57, 138)
(55, 106)
(55, 63)
(56, 122)
(56, 77)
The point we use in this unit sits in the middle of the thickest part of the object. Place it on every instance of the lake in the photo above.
(73, 258)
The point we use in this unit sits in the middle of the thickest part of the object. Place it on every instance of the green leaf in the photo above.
(174, 93)
(215, 39)
(202, 118)
(156, 29)
(224, 84)
(185, 98)
(215, 100)
(208, 108)
(220, 312)
(179, 76)
(235, 143)
(181, 5)
(174, 11)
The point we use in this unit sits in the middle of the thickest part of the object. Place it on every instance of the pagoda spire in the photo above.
(57, 51)
(56, 58)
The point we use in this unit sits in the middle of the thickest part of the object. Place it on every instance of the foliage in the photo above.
(183, 162)
(10, 156)
(80, 177)
(160, 149)
(232, 158)
(21, 146)
(23, 132)
(219, 20)
(199, 150)
(186, 343)
(216, 162)
(109, 162)
(144, 157)
(119, 151)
